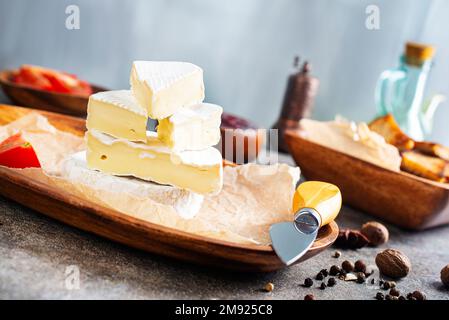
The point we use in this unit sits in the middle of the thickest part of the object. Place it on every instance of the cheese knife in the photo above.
(315, 205)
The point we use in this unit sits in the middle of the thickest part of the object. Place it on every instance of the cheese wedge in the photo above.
(118, 114)
(192, 128)
(197, 171)
(162, 88)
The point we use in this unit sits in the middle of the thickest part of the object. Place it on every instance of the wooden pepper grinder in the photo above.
(298, 100)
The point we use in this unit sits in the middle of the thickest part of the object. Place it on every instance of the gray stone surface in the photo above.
(35, 252)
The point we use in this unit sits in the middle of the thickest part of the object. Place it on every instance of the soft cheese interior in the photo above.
(117, 113)
(198, 171)
(165, 87)
(192, 128)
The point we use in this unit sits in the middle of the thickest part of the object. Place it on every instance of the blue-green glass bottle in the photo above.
(400, 91)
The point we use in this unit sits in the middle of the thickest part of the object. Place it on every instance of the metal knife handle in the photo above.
(324, 198)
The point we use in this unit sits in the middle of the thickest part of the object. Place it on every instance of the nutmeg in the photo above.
(376, 233)
(393, 263)
(445, 276)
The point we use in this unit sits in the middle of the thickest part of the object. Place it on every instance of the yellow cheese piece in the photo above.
(118, 114)
(192, 128)
(197, 171)
(163, 87)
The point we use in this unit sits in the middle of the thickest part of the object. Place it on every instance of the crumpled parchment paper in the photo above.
(253, 196)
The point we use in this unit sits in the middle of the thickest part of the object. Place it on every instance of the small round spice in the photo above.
(388, 285)
(388, 297)
(360, 266)
(347, 266)
(337, 254)
(308, 282)
(360, 277)
(324, 272)
(269, 287)
(409, 296)
(322, 286)
(395, 292)
(309, 297)
(380, 296)
(418, 295)
(445, 276)
(331, 282)
(402, 298)
(376, 233)
(334, 270)
(373, 281)
(369, 272)
(319, 276)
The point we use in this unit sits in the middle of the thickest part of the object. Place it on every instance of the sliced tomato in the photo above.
(51, 80)
(33, 77)
(15, 152)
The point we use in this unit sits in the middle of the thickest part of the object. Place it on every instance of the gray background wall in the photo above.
(245, 46)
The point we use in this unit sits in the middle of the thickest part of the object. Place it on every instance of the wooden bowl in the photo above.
(63, 206)
(400, 198)
(71, 104)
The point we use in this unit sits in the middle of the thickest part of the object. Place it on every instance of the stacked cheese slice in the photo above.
(181, 152)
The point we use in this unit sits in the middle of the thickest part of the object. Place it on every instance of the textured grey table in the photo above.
(36, 251)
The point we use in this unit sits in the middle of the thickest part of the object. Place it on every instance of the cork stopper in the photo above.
(418, 53)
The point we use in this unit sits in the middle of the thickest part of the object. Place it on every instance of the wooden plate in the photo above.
(398, 197)
(131, 231)
(70, 104)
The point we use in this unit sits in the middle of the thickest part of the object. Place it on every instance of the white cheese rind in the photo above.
(163, 87)
(117, 113)
(194, 127)
(197, 171)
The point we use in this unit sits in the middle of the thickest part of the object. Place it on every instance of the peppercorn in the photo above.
(409, 296)
(373, 281)
(322, 286)
(388, 285)
(309, 297)
(331, 282)
(337, 254)
(380, 296)
(418, 295)
(347, 266)
(324, 272)
(319, 276)
(381, 282)
(269, 287)
(369, 273)
(402, 298)
(361, 277)
(308, 282)
(360, 266)
(388, 297)
(395, 292)
(334, 270)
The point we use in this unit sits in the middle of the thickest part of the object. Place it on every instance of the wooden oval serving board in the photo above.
(131, 231)
(398, 197)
